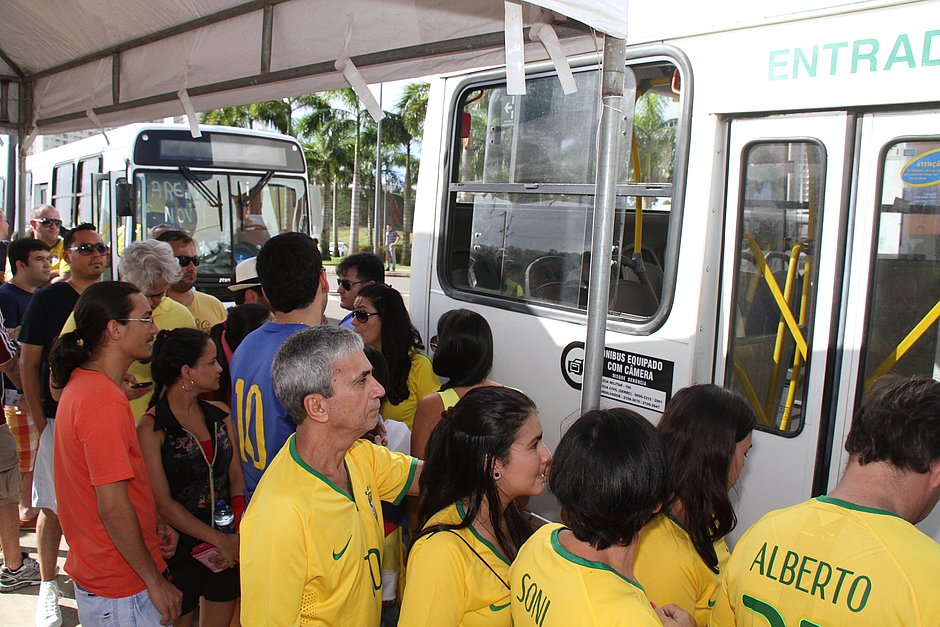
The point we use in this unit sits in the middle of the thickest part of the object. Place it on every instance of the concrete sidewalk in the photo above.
(18, 608)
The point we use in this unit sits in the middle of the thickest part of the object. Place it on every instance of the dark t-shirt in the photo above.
(13, 304)
(42, 323)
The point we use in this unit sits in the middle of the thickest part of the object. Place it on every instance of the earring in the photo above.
(192, 386)
(496, 475)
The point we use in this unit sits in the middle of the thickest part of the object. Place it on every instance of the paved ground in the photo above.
(17, 609)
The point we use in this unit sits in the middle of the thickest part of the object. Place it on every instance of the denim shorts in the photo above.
(132, 611)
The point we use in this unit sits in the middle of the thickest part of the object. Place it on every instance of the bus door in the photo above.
(115, 230)
(781, 283)
(892, 303)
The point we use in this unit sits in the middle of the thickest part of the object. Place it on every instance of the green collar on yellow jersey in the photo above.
(853, 506)
(580, 561)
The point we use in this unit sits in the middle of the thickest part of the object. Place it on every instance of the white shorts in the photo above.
(43, 477)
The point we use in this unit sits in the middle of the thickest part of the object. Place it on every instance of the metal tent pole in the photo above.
(615, 82)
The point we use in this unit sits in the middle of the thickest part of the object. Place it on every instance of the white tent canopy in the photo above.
(70, 65)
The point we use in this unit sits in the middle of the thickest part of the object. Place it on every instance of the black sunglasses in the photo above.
(88, 249)
(185, 261)
(346, 284)
(362, 316)
(50, 222)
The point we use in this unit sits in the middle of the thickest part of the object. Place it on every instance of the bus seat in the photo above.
(545, 269)
(633, 297)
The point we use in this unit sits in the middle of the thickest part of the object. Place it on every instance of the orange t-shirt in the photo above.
(96, 444)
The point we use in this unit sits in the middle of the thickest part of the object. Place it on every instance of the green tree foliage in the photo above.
(338, 137)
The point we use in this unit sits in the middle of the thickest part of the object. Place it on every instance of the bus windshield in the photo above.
(229, 215)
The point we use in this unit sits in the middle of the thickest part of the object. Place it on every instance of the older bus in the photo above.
(231, 189)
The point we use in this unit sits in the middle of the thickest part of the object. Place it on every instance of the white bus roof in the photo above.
(116, 63)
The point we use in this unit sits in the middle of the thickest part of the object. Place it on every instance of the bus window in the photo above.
(87, 168)
(520, 214)
(197, 204)
(264, 207)
(63, 190)
(901, 331)
(774, 295)
(40, 194)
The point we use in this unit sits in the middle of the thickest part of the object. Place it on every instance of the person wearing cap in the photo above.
(207, 310)
(352, 274)
(246, 289)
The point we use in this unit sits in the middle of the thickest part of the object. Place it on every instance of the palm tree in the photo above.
(412, 107)
(358, 115)
(329, 149)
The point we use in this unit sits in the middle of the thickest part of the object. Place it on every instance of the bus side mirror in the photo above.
(123, 199)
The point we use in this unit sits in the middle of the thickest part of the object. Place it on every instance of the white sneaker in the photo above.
(48, 613)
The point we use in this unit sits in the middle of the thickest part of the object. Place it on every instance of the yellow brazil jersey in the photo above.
(449, 585)
(311, 552)
(672, 571)
(421, 382)
(207, 310)
(828, 563)
(552, 587)
(56, 259)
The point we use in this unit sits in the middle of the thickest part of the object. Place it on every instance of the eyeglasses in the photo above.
(88, 249)
(362, 316)
(432, 343)
(148, 320)
(185, 261)
(346, 284)
(50, 222)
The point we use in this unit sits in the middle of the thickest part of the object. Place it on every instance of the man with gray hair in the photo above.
(312, 539)
(150, 267)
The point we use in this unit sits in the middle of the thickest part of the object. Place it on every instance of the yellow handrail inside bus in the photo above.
(895, 356)
(797, 359)
(751, 394)
(778, 296)
(638, 222)
(773, 389)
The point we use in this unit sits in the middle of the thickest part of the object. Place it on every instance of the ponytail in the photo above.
(172, 350)
(68, 353)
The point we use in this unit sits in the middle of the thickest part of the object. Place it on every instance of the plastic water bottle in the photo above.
(224, 517)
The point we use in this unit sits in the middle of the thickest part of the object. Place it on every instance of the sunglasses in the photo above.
(346, 284)
(362, 316)
(185, 261)
(88, 249)
(50, 222)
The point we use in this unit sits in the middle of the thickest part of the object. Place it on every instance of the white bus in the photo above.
(231, 189)
(777, 227)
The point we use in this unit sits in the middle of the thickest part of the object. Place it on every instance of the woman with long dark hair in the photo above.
(189, 446)
(464, 356)
(382, 320)
(609, 476)
(707, 433)
(485, 452)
